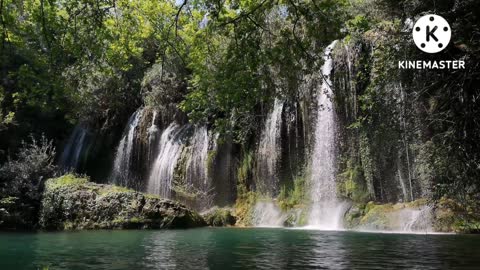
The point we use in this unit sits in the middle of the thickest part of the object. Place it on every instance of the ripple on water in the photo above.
(247, 248)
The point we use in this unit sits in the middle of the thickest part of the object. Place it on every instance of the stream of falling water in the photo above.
(71, 155)
(197, 178)
(268, 151)
(153, 132)
(121, 172)
(197, 160)
(161, 175)
(327, 210)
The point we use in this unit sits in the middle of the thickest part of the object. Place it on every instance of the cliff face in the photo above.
(74, 203)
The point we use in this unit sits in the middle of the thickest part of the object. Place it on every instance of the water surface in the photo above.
(236, 248)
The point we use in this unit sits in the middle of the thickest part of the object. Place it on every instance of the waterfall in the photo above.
(267, 214)
(75, 148)
(197, 160)
(399, 218)
(197, 168)
(326, 210)
(417, 220)
(122, 166)
(268, 151)
(401, 180)
(153, 132)
(170, 149)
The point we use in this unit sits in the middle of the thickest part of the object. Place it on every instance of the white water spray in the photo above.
(267, 214)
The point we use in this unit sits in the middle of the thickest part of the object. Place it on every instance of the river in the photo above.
(237, 248)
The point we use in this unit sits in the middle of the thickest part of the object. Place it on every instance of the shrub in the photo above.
(22, 179)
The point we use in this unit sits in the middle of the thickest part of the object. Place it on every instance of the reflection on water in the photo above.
(237, 248)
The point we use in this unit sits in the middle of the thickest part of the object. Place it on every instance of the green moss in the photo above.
(219, 217)
(70, 180)
(8, 201)
(128, 222)
(245, 168)
(376, 215)
(450, 215)
(66, 180)
(352, 183)
(303, 218)
(211, 159)
(152, 196)
(111, 189)
(295, 197)
(244, 206)
(245, 198)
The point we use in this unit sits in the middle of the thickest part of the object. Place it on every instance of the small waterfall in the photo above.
(402, 180)
(417, 220)
(153, 132)
(399, 218)
(122, 166)
(268, 151)
(197, 176)
(267, 214)
(170, 149)
(75, 148)
(197, 161)
(326, 211)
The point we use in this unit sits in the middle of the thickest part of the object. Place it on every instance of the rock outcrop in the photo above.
(71, 203)
(219, 217)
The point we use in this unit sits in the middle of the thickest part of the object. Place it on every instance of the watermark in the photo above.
(443, 64)
(431, 34)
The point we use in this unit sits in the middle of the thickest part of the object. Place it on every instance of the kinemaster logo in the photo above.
(432, 34)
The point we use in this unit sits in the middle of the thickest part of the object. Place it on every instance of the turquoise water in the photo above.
(236, 248)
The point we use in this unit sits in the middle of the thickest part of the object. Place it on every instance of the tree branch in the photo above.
(177, 16)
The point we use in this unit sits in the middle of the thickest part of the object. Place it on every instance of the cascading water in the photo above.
(399, 218)
(326, 210)
(121, 172)
(153, 132)
(418, 220)
(267, 214)
(197, 178)
(170, 149)
(71, 155)
(402, 181)
(197, 161)
(268, 151)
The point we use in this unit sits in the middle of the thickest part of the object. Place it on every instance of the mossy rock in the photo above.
(219, 217)
(377, 216)
(451, 216)
(71, 203)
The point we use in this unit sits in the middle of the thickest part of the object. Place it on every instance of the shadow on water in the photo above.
(237, 248)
